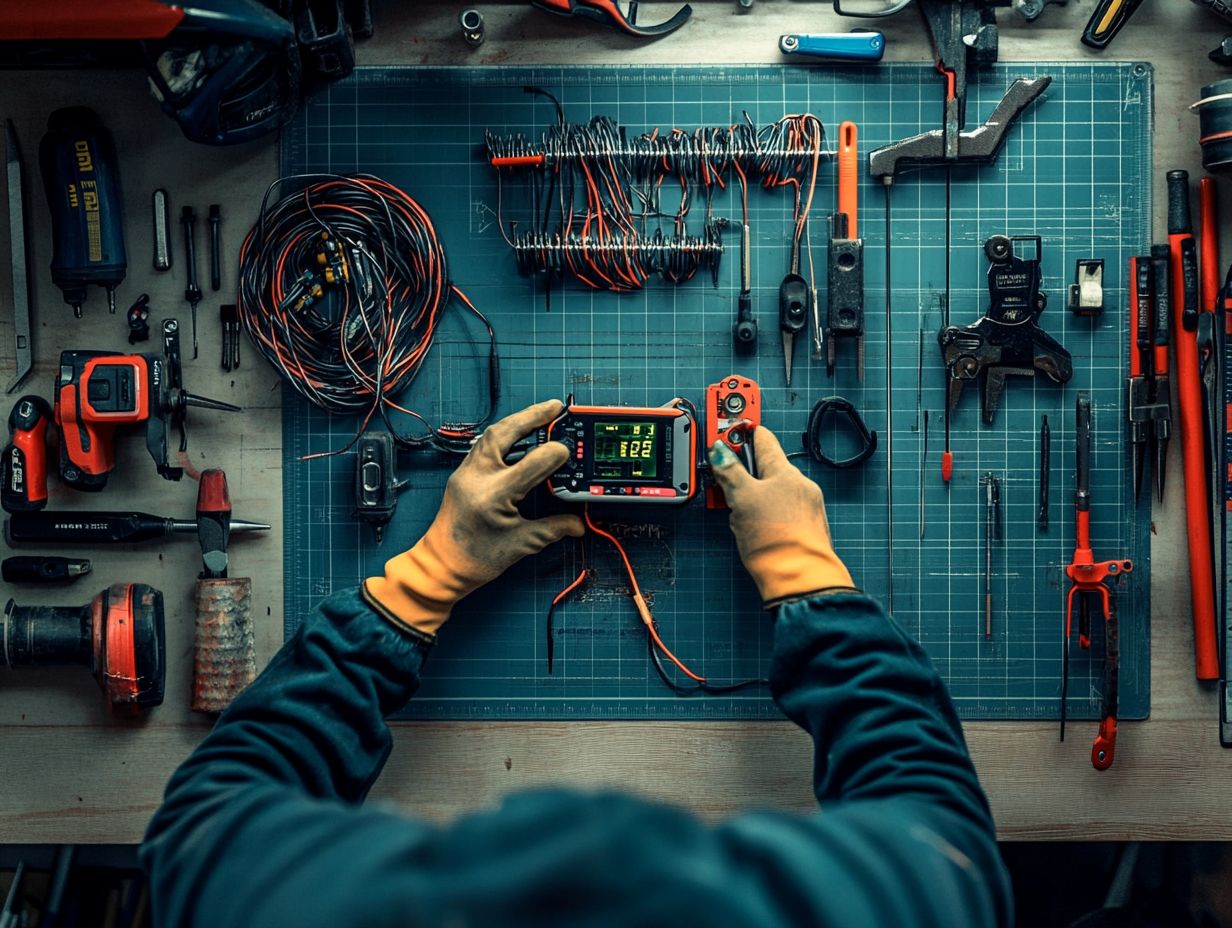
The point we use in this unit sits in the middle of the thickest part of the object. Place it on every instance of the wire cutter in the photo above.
(613, 13)
(1092, 583)
(1150, 411)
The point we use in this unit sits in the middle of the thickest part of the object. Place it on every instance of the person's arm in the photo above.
(259, 826)
(888, 747)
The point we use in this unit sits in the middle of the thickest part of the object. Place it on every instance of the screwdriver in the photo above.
(81, 528)
(192, 293)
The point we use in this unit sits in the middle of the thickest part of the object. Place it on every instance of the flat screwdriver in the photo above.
(192, 293)
(87, 528)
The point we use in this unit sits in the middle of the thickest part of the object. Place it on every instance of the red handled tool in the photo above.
(25, 456)
(612, 13)
(98, 391)
(733, 412)
(1208, 347)
(224, 659)
(1189, 398)
(1150, 410)
(119, 635)
(1092, 583)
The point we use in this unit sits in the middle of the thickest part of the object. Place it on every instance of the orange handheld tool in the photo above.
(1092, 584)
(118, 635)
(1189, 398)
(733, 411)
(25, 456)
(98, 392)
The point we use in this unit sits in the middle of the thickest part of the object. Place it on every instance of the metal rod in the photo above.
(887, 183)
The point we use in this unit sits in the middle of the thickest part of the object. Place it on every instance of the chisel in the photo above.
(91, 528)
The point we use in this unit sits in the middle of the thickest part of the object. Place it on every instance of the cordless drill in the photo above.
(98, 391)
(119, 635)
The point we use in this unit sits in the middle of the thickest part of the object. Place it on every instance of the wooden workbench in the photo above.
(71, 773)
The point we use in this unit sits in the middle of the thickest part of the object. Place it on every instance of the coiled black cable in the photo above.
(343, 284)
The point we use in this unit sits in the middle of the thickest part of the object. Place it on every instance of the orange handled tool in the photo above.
(1189, 397)
(848, 176)
(25, 456)
(1092, 584)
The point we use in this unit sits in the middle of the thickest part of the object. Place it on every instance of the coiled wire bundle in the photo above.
(343, 284)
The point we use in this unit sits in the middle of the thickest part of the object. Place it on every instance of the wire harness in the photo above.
(343, 284)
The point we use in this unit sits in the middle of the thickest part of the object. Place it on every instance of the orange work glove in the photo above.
(478, 533)
(779, 520)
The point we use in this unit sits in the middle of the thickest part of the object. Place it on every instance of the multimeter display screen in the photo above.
(626, 449)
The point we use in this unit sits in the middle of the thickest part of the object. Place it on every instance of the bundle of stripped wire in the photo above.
(596, 193)
(343, 284)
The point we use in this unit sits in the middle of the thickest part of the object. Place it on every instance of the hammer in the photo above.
(224, 660)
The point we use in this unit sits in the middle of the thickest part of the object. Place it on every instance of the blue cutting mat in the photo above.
(1076, 170)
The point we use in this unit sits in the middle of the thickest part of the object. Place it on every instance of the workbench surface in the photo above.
(73, 774)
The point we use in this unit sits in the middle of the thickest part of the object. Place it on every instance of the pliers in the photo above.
(1150, 409)
(1092, 583)
(613, 13)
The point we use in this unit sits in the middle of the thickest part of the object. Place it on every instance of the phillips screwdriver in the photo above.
(82, 528)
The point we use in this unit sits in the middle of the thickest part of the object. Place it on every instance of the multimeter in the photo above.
(625, 454)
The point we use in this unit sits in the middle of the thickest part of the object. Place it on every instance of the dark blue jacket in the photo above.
(262, 825)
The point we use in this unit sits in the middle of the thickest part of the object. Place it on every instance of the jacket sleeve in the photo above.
(261, 827)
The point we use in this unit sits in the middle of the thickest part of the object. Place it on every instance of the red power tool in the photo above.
(733, 412)
(25, 456)
(119, 635)
(98, 391)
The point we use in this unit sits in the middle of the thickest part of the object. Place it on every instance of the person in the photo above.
(263, 825)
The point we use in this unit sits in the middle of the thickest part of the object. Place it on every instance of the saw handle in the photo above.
(848, 176)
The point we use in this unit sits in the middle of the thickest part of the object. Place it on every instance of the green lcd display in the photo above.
(626, 449)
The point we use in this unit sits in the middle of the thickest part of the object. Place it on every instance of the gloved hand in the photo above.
(779, 520)
(478, 533)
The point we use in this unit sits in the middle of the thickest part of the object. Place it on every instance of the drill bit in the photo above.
(192, 293)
